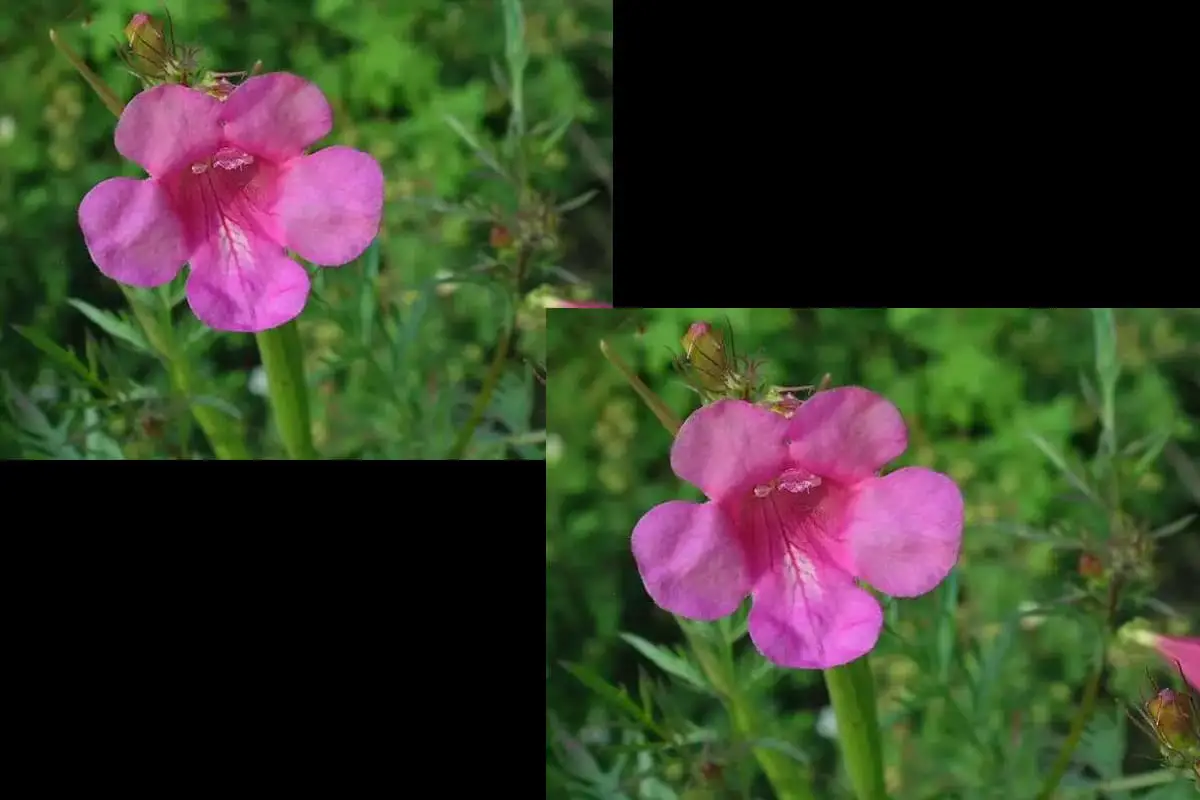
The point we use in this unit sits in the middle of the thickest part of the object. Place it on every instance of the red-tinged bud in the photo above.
(148, 46)
(704, 351)
(1090, 566)
(499, 238)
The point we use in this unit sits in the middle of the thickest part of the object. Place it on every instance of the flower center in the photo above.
(793, 480)
(227, 158)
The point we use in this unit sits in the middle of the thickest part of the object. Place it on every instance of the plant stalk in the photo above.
(852, 694)
(283, 359)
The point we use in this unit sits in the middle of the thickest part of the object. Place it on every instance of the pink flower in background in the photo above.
(556, 303)
(230, 189)
(1184, 651)
(795, 514)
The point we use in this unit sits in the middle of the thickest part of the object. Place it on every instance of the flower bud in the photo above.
(147, 45)
(704, 350)
(1090, 566)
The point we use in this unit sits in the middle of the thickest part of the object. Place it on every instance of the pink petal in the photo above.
(276, 115)
(905, 530)
(847, 434)
(330, 205)
(728, 446)
(131, 232)
(690, 561)
(242, 281)
(1185, 651)
(816, 620)
(168, 127)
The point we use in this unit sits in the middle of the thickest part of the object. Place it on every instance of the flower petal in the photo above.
(1185, 651)
(242, 281)
(729, 445)
(816, 620)
(847, 434)
(905, 530)
(168, 127)
(276, 115)
(690, 560)
(330, 205)
(131, 232)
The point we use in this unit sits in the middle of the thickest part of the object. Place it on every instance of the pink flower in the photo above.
(795, 514)
(1184, 651)
(229, 189)
(556, 303)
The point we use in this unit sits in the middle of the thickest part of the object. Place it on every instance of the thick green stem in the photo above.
(485, 395)
(852, 693)
(283, 360)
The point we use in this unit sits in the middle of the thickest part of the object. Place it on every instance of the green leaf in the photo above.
(1060, 462)
(1172, 528)
(482, 153)
(368, 296)
(1102, 746)
(555, 136)
(577, 202)
(1107, 370)
(669, 662)
(64, 358)
(113, 325)
(617, 699)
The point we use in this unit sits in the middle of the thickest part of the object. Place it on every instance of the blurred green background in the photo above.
(973, 385)
(392, 71)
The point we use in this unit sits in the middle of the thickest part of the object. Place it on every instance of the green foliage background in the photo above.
(393, 73)
(974, 386)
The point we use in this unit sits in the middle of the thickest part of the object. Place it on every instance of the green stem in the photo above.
(789, 779)
(222, 433)
(852, 694)
(1086, 707)
(1088, 704)
(283, 360)
(485, 394)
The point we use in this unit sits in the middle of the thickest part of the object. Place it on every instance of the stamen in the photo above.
(797, 481)
(231, 158)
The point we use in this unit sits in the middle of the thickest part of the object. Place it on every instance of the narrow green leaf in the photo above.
(368, 296)
(1153, 451)
(653, 401)
(577, 202)
(113, 326)
(1172, 528)
(556, 135)
(479, 150)
(668, 662)
(1104, 328)
(1060, 462)
(64, 358)
(102, 89)
(618, 699)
